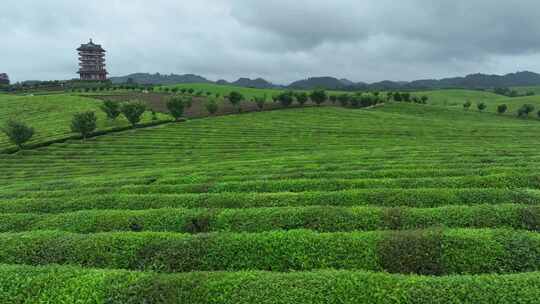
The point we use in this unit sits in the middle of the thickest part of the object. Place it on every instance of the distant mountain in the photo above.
(327, 82)
(146, 78)
(258, 83)
(473, 81)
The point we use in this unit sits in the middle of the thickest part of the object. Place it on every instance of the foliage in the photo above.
(211, 106)
(133, 111)
(111, 109)
(318, 96)
(176, 105)
(84, 123)
(481, 106)
(301, 97)
(260, 101)
(501, 109)
(18, 132)
(344, 99)
(525, 110)
(235, 98)
(286, 98)
(467, 104)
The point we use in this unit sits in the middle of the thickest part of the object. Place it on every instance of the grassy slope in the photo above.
(323, 169)
(51, 115)
(456, 98)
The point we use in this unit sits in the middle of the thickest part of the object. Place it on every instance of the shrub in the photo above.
(538, 114)
(133, 111)
(318, 96)
(366, 100)
(260, 101)
(176, 105)
(190, 90)
(467, 104)
(501, 109)
(406, 97)
(481, 106)
(525, 110)
(111, 109)
(417, 252)
(424, 99)
(397, 96)
(211, 106)
(84, 123)
(286, 98)
(355, 100)
(17, 132)
(344, 99)
(183, 90)
(235, 98)
(301, 98)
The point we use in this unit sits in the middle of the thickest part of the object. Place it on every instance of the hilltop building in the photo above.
(4, 78)
(92, 62)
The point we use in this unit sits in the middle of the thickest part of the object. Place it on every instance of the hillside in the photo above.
(399, 203)
(50, 115)
(146, 78)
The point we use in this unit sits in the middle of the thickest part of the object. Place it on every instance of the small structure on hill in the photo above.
(4, 78)
(92, 62)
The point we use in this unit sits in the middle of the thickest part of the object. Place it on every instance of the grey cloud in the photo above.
(280, 40)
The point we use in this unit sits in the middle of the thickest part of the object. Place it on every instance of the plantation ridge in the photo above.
(387, 182)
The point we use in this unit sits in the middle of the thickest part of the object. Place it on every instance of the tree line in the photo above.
(524, 111)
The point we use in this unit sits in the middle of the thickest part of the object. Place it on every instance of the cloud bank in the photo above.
(278, 40)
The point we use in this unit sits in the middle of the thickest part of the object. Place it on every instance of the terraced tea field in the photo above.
(398, 204)
(50, 115)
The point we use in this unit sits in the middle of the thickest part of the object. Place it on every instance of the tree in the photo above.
(501, 109)
(174, 90)
(260, 101)
(525, 110)
(397, 96)
(183, 90)
(286, 98)
(133, 111)
(355, 100)
(424, 99)
(538, 114)
(235, 98)
(481, 106)
(406, 97)
(111, 109)
(301, 98)
(176, 105)
(84, 123)
(318, 96)
(18, 132)
(467, 104)
(211, 106)
(191, 90)
(344, 99)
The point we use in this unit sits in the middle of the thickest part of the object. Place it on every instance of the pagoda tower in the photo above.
(92, 62)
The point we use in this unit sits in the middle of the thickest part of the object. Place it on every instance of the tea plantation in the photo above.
(402, 203)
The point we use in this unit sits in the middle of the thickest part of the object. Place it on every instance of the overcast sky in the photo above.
(280, 40)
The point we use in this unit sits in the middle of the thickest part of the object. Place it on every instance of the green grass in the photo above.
(50, 115)
(284, 195)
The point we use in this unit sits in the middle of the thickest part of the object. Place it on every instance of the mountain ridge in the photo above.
(471, 81)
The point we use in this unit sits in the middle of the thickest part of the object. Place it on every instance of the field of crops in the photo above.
(50, 115)
(456, 98)
(402, 203)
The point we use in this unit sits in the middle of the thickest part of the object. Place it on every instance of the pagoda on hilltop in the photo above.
(92, 62)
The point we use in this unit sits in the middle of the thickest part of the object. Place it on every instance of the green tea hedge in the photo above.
(25, 284)
(436, 252)
(323, 219)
